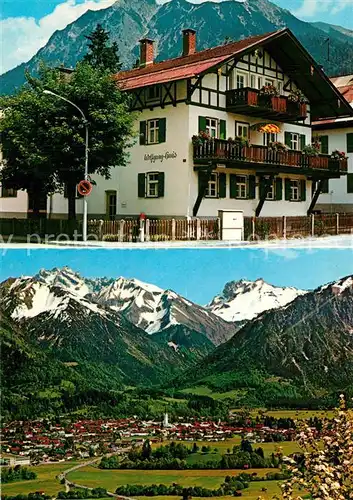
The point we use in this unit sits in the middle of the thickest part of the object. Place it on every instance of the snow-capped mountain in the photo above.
(154, 309)
(243, 300)
(308, 342)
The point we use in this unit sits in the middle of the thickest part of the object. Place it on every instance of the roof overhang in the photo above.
(325, 99)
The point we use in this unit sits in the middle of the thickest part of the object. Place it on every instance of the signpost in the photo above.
(84, 188)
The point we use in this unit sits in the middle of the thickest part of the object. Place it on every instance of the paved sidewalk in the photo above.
(341, 241)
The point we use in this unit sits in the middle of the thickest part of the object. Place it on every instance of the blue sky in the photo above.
(196, 274)
(26, 25)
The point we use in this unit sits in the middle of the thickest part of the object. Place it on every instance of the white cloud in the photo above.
(310, 8)
(22, 37)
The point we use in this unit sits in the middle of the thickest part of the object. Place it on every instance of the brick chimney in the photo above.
(146, 52)
(189, 42)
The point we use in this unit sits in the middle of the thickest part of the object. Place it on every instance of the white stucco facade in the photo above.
(119, 197)
(340, 196)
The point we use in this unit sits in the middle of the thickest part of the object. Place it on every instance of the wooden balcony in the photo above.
(233, 155)
(249, 102)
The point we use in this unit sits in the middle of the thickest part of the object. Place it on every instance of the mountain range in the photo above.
(130, 20)
(63, 330)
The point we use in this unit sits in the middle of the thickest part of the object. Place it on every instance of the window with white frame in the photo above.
(295, 190)
(269, 137)
(269, 81)
(153, 131)
(152, 185)
(253, 81)
(241, 80)
(259, 82)
(271, 191)
(242, 130)
(212, 127)
(241, 186)
(212, 187)
(280, 88)
(295, 142)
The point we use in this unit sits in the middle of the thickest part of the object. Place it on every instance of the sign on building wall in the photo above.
(153, 158)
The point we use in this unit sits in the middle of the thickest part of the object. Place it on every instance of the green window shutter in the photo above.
(141, 185)
(161, 177)
(288, 139)
(278, 189)
(325, 186)
(162, 126)
(222, 129)
(263, 192)
(252, 187)
(303, 190)
(143, 130)
(202, 124)
(202, 180)
(350, 143)
(222, 185)
(233, 186)
(324, 144)
(349, 183)
(302, 141)
(287, 190)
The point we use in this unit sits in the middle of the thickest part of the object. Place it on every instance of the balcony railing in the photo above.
(228, 152)
(251, 102)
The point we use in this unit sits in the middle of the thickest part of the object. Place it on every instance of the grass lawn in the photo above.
(46, 480)
(111, 479)
(206, 391)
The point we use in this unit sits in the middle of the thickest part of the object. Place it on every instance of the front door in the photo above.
(111, 204)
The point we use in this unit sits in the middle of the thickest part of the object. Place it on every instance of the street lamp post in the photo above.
(85, 121)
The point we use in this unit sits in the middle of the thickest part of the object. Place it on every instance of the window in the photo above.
(259, 82)
(268, 138)
(152, 185)
(7, 192)
(111, 204)
(153, 93)
(271, 192)
(294, 190)
(153, 131)
(241, 80)
(253, 81)
(280, 88)
(295, 142)
(212, 188)
(241, 187)
(269, 81)
(242, 130)
(212, 127)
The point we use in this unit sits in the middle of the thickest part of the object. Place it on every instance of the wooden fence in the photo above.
(156, 230)
(134, 230)
(264, 228)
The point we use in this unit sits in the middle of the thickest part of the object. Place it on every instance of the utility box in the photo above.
(232, 225)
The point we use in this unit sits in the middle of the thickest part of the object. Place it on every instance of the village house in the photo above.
(337, 134)
(223, 128)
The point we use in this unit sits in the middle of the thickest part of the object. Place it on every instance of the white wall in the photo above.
(337, 139)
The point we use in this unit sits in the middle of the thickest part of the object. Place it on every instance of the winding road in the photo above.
(69, 484)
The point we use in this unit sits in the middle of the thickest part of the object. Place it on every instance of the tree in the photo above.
(100, 55)
(43, 138)
(324, 473)
(146, 450)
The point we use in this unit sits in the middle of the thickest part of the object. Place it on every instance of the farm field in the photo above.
(293, 414)
(46, 480)
(111, 479)
(288, 447)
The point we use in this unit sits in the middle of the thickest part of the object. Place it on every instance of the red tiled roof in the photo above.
(186, 66)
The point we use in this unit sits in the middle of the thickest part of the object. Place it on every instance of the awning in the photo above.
(266, 128)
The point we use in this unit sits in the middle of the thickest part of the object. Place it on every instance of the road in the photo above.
(69, 484)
